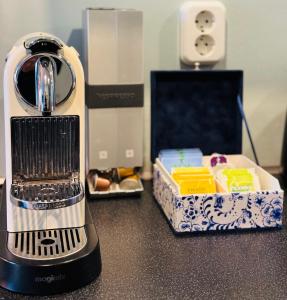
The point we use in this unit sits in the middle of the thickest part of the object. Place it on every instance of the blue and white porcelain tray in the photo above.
(220, 211)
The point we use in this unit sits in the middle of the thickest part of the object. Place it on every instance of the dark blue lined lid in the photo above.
(196, 109)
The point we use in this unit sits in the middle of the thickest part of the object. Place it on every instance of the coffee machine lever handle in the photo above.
(45, 68)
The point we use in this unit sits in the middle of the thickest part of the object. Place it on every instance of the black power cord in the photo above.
(240, 106)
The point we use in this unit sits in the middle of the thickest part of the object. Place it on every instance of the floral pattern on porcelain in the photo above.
(218, 211)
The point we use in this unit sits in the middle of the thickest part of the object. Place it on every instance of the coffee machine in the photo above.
(49, 242)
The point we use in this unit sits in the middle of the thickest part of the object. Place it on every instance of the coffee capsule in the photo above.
(130, 183)
(125, 172)
(100, 183)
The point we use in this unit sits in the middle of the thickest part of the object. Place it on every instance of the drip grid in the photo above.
(47, 244)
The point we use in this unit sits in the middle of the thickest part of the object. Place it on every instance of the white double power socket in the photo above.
(202, 32)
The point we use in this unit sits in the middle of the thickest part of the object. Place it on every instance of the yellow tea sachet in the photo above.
(238, 185)
(239, 180)
(194, 180)
(238, 171)
(197, 186)
(199, 176)
(190, 170)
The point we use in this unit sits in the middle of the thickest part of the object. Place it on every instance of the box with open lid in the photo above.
(200, 109)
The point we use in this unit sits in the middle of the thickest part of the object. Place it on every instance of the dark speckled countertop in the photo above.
(143, 259)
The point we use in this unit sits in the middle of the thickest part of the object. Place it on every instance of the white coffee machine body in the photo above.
(20, 217)
(48, 236)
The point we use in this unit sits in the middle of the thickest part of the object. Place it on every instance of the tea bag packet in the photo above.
(185, 172)
(219, 162)
(239, 180)
(197, 186)
(194, 180)
(180, 152)
(172, 158)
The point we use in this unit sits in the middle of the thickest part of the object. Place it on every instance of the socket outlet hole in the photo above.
(204, 44)
(204, 20)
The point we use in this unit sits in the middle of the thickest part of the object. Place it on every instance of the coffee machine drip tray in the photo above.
(49, 195)
(47, 244)
(43, 262)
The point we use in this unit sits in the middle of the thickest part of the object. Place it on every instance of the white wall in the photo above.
(256, 43)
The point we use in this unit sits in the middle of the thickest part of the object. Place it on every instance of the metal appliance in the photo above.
(113, 66)
(51, 242)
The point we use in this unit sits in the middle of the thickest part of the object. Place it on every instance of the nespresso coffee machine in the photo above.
(48, 241)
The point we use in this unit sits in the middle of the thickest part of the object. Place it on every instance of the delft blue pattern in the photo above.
(217, 212)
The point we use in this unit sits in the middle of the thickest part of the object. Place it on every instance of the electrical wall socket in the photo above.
(202, 32)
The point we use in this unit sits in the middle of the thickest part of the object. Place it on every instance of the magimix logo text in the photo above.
(50, 278)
